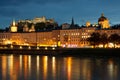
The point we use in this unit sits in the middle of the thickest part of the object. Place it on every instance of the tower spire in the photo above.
(102, 14)
(13, 23)
(72, 21)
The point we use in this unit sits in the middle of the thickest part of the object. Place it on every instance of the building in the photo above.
(65, 26)
(38, 20)
(64, 38)
(69, 36)
(88, 24)
(103, 22)
(13, 27)
(25, 28)
(84, 34)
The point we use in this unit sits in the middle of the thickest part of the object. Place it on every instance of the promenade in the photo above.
(60, 51)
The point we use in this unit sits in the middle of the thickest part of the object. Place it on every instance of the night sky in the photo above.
(61, 10)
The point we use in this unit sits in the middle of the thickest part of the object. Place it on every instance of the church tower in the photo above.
(72, 24)
(13, 27)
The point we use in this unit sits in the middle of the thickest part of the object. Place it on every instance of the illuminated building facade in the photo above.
(84, 34)
(38, 20)
(88, 24)
(64, 38)
(103, 22)
(68, 36)
(13, 27)
(65, 26)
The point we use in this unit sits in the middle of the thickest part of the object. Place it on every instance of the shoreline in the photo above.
(65, 51)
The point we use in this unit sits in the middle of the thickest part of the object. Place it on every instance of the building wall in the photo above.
(65, 38)
(84, 34)
(109, 32)
(4, 38)
(70, 37)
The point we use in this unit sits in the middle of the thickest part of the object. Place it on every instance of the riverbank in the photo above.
(65, 51)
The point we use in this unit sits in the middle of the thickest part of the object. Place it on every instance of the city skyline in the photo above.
(62, 11)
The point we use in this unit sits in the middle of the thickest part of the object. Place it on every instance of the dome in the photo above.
(102, 18)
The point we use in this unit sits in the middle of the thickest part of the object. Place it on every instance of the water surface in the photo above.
(36, 67)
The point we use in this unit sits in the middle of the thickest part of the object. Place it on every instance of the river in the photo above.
(41, 67)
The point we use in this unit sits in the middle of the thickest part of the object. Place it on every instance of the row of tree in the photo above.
(38, 26)
(97, 38)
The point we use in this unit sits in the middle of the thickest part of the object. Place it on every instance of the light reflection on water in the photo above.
(36, 67)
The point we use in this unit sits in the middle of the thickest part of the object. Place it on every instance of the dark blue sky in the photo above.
(61, 10)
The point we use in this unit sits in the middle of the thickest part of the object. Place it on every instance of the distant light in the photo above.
(111, 45)
(11, 46)
(29, 47)
(53, 48)
(20, 47)
(37, 47)
(46, 48)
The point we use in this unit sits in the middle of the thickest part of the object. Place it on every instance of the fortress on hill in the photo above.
(43, 32)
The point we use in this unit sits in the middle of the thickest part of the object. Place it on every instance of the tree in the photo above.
(104, 39)
(40, 26)
(94, 39)
(115, 38)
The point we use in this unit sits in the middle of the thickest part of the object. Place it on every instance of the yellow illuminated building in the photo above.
(88, 24)
(103, 22)
(13, 27)
(65, 37)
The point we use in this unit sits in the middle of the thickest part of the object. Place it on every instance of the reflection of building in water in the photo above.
(53, 67)
(86, 69)
(4, 67)
(25, 60)
(45, 64)
(10, 67)
(20, 64)
(112, 70)
(69, 67)
(29, 65)
(38, 66)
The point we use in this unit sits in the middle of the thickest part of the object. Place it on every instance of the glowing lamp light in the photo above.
(53, 48)
(63, 45)
(29, 47)
(20, 47)
(11, 46)
(111, 45)
(37, 47)
(46, 48)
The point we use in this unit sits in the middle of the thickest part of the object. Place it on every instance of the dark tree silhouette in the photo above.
(104, 39)
(114, 38)
(40, 26)
(94, 39)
